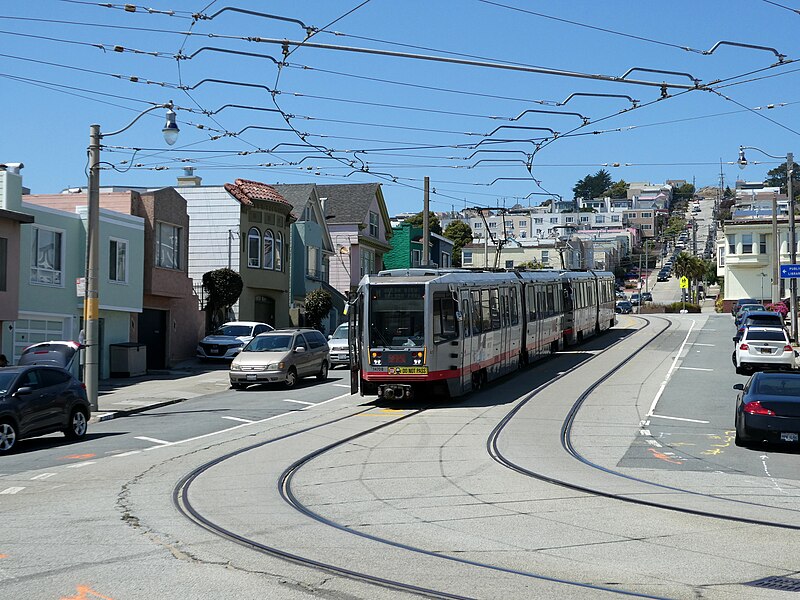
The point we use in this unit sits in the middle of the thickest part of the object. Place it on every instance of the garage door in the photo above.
(33, 331)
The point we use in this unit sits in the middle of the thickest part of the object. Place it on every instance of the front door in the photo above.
(264, 310)
(153, 334)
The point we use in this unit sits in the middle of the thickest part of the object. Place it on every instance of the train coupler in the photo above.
(395, 391)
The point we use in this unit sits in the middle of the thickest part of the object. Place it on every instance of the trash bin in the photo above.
(127, 359)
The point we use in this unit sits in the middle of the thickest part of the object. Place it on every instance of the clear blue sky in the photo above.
(400, 119)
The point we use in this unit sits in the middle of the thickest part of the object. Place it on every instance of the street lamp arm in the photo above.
(168, 106)
(743, 148)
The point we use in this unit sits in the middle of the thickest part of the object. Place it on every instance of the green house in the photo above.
(407, 252)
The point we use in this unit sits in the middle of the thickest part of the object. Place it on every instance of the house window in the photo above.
(493, 225)
(762, 243)
(721, 256)
(168, 246)
(509, 223)
(477, 225)
(584, 219)
(118, 260)
(466, 257)
(599, 219)
(539, 221)
(615, 218)
(279, 251)
(254, 248)
(747, 243)
(569, 219)
(416, 255)
(731, 244)
(367, 262)
(522, 224)
(645, 226)
(3, 264)
(269, 250)
(509, 264)
(312, 261)
(373, 224)
(46, 252)
(553, 219)
(545, 257)
(647, 215)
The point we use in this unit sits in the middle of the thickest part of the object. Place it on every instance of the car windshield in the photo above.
(766, 336)
(234, 330)
(778, 386)
(269, 343)
(764, 320)
(750, 307)
(6, 379)
(340, 333)
(397, 315)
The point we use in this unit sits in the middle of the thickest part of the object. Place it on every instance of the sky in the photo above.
(476, 102)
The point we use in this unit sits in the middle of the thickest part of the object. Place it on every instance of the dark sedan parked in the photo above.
(768, 408)
(36, 399)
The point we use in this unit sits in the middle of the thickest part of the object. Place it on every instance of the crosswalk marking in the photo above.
(298, 402)
(154, 440)
(42, 476)
(12, 490)
(239, 419)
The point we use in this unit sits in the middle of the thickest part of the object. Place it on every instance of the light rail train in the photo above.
(449, 331)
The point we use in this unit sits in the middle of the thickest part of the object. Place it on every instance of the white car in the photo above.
(763, 348)
(229, 339)
(339, 346)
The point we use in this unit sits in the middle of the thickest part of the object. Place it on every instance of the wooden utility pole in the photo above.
(426, 227)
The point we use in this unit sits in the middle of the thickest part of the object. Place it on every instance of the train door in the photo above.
(466, 340)
(355, 339)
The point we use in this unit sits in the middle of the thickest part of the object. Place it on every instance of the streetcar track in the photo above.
(183, 504)
(566, 442)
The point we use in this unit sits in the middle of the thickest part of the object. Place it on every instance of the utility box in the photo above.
(127, 359)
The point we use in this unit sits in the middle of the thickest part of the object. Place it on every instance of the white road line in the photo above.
(653, 442)
(273, 417)
(238, 419)
(81, 464)
(42, 476)
(298, 401)
(699, 344)
(644, 432)
(154, 440)
(678, 419)
(344, 385)
(127, 453)
(695, 369)
(12, 490)
(669, 373)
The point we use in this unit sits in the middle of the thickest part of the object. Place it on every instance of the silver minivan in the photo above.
(281, 356)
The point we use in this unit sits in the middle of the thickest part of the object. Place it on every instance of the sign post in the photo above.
(684, 281)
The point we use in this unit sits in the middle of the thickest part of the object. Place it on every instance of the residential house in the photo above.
(11, 222)
(310, 252)
(360, 229)
(243, 226)
(52, 263)
(573, 254)
(407, 250)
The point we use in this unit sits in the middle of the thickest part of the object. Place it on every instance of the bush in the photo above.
(318, 304)
(719, 303)
(677, 307)
(778, 307)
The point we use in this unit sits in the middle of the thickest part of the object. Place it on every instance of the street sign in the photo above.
(790, 271)
(80, 286)
(684, 283)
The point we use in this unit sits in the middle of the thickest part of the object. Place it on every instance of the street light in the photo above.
(762, 285)
(91, 304)
(792, 240)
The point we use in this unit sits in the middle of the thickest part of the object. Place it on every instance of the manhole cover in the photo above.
(786, 584)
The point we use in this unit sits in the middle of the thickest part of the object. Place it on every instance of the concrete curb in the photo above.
(107, 416)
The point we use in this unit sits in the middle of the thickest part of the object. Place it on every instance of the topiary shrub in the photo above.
(318, 304)
(778, 307)
(223, 288)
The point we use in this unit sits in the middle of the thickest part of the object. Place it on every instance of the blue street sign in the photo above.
(790, 271)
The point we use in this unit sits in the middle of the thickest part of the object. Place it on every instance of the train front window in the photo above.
(397, 316)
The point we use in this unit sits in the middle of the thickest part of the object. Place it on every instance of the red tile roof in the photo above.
(245, 191)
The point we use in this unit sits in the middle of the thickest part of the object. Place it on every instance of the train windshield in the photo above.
(397, 316)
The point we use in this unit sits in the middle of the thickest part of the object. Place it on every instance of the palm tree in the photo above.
(691, 267)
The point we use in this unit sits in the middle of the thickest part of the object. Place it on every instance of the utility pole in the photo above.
(776, 257)
(426, 233)
(792, 244)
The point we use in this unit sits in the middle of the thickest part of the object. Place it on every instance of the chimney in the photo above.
(189, 179)
(12, 167)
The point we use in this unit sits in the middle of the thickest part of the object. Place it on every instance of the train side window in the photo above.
(531, 295)
(477, 319)
(494, 307)
(486, 312)
(551, 302)
(504, 307)
(514, 307)
(466, 316)
(444, 317)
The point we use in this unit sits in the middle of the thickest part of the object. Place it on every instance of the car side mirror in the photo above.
(24, 391)
(300, 349)
(738, 386)
(735, 339)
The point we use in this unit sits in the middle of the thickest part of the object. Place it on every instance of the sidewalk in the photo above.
(123, 396)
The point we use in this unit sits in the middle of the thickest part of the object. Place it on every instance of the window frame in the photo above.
(176, 246)
(268, 235)
(373, 223)
(57, 271)
(113, 260)
(254, 235)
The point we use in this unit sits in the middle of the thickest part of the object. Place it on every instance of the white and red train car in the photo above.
(450, 331)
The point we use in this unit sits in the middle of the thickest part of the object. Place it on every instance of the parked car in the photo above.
(744, 309)
(768, 409)
(740, 302)
(58, 353)
(281, 356)
(339, 346)
(624, 307)
(636, 299)
(38, 399)
(759, 318)
(227, 341)
(647, 297)
(763, 348)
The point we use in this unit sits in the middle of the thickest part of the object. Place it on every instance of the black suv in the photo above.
(36, 399)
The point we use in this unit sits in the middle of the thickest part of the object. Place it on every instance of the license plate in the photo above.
(250, 377)
(766, 351)
(408, 370)
(789, 437)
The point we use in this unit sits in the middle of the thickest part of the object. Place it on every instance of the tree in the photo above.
(777, 178)
(318, 304)
(433, 222)
(683, 192)
(461, 234)
(531, 265)
(618, 189)
(223, 288)
(592, 186)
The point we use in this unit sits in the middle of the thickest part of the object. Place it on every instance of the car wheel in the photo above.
(291, 378)
(323, 372)
(8, 437)
(740, 440)
(78, 424)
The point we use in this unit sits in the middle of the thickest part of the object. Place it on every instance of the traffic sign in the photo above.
(790, 271)
(684, 282)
